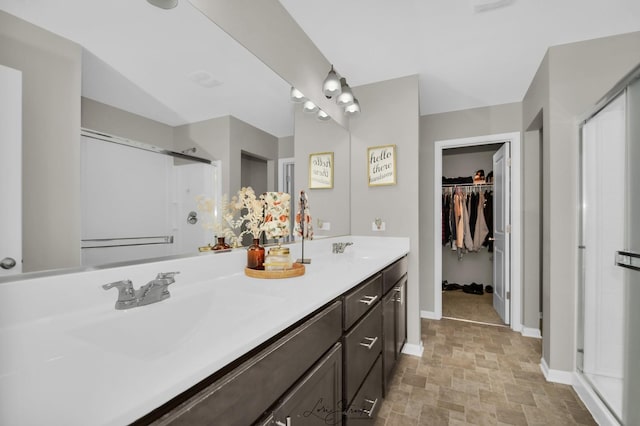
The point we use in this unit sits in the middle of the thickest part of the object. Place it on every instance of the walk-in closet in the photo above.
(468, 234)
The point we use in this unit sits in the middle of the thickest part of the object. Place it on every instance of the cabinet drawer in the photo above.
(245, 393)
(362, 345)
(365, 405)
(360, 300)
(393, 273)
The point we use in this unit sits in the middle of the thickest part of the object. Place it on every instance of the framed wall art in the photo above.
(382, 165)
(321, 170)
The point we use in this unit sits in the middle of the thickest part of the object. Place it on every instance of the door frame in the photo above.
(515, 275)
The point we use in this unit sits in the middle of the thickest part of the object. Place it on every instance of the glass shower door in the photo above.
(630, 264)
(603, 232)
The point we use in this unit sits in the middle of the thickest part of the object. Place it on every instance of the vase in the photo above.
(221, 245)
(255, 255)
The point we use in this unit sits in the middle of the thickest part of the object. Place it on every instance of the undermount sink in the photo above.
(156, 330)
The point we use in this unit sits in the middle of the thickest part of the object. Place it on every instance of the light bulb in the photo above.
(346, 97)
(322, 116)
(331, 86)
(296, 95)
(309, 106)
(353, 109)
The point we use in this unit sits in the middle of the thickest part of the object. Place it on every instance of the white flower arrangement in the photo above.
(227, 222)
(268, 213)
(254, 217)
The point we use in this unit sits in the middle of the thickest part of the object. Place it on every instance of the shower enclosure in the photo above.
(609, 328)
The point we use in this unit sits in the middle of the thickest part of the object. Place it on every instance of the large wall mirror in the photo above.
(170, 79)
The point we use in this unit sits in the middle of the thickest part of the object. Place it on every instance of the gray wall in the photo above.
(286, 147)
(569, 82)
(329, 205)
(451, 125)
(117, 122)
(51, 75)
(390, 115)
(244, 138)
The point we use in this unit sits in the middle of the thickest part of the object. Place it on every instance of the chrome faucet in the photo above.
(154, 291)
(339, 247)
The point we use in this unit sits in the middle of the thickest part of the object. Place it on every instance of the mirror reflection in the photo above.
(182, 85)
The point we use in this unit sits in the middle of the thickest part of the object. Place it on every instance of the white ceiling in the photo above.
(140, 58)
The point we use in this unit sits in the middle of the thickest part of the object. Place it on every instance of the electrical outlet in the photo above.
(326, 226)
(380, 226)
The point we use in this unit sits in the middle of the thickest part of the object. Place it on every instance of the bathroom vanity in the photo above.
(223, 349)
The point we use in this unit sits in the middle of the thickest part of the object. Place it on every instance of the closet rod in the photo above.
(465, 185)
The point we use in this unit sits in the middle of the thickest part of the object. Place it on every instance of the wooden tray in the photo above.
(296, 271)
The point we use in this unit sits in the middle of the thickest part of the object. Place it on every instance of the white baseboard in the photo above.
(596, 407)
(556, 376)
(430, 315)
(413, 349)
(531, 332)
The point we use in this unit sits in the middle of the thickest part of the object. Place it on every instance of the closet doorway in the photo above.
(474, 270)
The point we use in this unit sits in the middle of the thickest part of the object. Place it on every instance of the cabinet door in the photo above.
(365, 405)
(400, 298)
(388, 337)
(317, 398)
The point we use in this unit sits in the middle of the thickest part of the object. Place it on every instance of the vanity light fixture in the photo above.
(353, 109)
(164, 4)
(331, 86)
(322, 116)
(296, 96)
(309, 106)
(346, 97)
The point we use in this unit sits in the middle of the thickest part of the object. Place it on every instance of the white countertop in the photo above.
(67, 357)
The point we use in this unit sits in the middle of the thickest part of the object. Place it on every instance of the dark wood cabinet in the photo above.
(317, 398)
(394, 317)
(330, 368)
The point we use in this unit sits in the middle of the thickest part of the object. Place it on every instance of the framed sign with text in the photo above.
(321, 170)
(382, 165)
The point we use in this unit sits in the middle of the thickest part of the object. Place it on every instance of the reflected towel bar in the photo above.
(125, 242)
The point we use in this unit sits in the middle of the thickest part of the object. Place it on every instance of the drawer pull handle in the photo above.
(372, 341)
(368, 300)
(287, 422)
(373, 403)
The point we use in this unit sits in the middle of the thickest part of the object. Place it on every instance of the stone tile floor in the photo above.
(480, 375)
(474, 307)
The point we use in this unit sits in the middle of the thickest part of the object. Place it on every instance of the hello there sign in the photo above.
(382, 165)
(321, 170)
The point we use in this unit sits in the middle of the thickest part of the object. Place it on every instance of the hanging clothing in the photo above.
(459, 218)
(468, 241)
(481, 225)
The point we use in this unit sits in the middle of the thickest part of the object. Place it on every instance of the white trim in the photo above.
(430, 315)
(556, 376)
(601, 414)
(531, 332)
(413, 349)
(514, 139)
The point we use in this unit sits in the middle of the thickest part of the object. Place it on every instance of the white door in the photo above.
(10, 171)
(501, 225)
